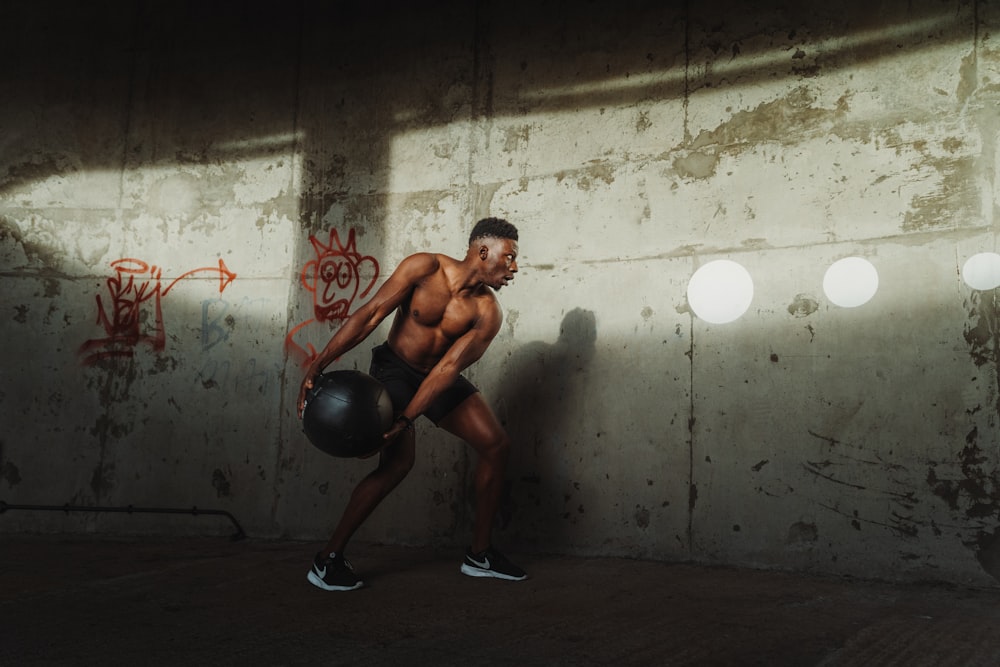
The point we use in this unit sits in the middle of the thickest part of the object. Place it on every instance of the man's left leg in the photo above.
(472, 420)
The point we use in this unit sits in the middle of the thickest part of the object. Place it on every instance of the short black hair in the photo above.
(493, 227)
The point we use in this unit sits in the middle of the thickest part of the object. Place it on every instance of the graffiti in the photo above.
(135, 290)
(336, 277)
(219, 317)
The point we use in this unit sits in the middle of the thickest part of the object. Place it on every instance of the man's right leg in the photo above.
(395, 462)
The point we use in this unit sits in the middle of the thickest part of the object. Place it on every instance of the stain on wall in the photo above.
(8, 470)
(974, 493)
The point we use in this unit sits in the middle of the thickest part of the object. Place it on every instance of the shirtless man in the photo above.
(445, 317)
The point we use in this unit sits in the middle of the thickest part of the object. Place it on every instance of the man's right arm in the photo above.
(365, 319)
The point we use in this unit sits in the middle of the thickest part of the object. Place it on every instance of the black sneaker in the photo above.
(333, 573)
(491, 563)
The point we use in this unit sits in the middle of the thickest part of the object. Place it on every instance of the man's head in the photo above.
(496, 228)
(494, 242)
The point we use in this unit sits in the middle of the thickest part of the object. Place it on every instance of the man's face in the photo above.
(501, 261)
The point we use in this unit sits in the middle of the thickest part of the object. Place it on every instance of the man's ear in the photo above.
(483, 252)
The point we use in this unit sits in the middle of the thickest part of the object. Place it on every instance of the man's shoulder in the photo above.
(421, 263)
(489, 303)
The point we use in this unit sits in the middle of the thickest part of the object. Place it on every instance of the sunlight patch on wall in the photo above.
(720, 291)
(982, 271)
(850, 282)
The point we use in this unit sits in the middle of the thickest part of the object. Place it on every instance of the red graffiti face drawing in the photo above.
(338, 276)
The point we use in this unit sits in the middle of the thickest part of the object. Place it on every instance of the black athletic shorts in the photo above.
(402, 381)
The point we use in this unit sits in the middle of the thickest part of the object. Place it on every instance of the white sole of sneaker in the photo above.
(319, 583)
(470, 571)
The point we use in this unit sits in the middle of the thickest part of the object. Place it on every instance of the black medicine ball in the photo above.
(346, 413)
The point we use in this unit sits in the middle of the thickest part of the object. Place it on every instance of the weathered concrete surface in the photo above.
(175, 179)
(213, 601)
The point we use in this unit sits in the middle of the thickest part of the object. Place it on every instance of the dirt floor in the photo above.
(216, 602)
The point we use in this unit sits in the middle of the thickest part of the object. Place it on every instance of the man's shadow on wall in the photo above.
(539, 405)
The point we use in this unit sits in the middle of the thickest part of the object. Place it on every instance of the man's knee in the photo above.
(398, 465)
(497, 447)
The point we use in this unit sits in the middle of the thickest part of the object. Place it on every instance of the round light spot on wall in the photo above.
(982, 271)
(720, 291)
(850, 282)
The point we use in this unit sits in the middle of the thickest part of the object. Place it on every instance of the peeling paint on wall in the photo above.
(803, 305)
(802, 533)
(102, 481)
(8, 470)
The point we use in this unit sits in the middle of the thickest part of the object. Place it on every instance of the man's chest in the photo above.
(435, 307)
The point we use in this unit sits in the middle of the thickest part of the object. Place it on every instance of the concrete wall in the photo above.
(172, 173)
